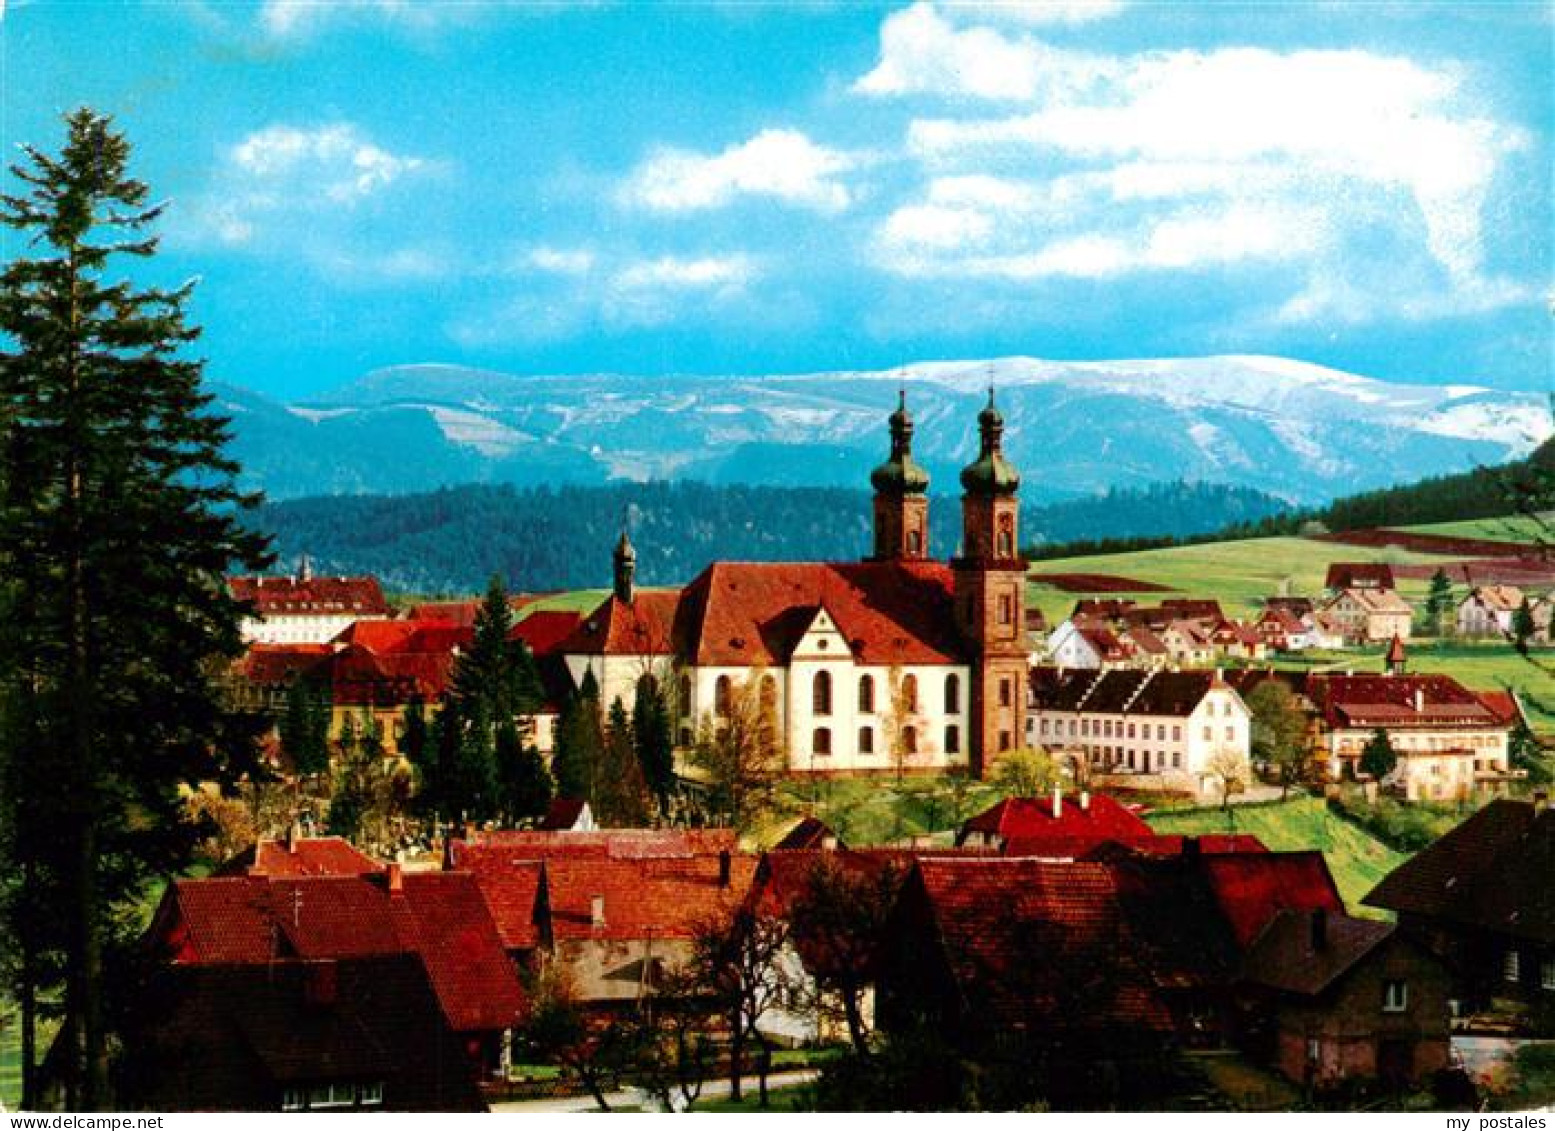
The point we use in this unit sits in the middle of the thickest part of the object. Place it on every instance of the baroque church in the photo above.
(898, 660)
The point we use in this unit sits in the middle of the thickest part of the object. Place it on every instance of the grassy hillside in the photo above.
(1239, 574)
(1357, 860)
(1516, 528)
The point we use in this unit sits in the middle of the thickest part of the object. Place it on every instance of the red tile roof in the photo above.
(439, 917)
(315, 596)
(1403, 700)
(562, 815)
(1252, 887)
(1028, 818)
(307, 856)
(510, 885)
(275, 665)
(808, 832)
(745, 613)
(544, 631)
(1359, 575)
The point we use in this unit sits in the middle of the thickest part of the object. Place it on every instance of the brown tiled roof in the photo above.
(562, 815)
(1497, 598)
(1120, 691)
(1286, 956)
(1492, 872)
(647, 898)
(510, 885)
(1352, 575)
(1403, 700)
(808, 832)
(305, 856)
(317, 596)
(438, 917)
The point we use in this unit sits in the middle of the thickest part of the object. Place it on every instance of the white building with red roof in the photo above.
(304, 609)
(898, 659)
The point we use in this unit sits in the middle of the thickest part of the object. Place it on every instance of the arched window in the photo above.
(821, 744)
(910, 693)
(820, 694)
(866, 740)
(952, 694)
(909, 740)
(914, 543)
(768, 695)
(685, 695)
(1006, 539)
(722, 694)
(866, 694)
(952, 739)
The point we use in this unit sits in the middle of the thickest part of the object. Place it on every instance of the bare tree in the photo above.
(741, 752)
(1229, 769)
(738, 958)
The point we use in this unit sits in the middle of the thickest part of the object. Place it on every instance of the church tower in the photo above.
(990, 584)
(625, 562)
(901, 496)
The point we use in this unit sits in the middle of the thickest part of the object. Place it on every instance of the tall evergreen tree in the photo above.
(471, 789)
(1438, 601)
(621, 795)
(654, 741)
(485, 677)
(304, 729)
(580, 743)
(1523, 627)
(118, 522)
(525, 783)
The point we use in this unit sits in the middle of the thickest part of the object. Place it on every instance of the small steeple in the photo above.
(1397, 661)
(625, 568)
(990, 473)
(901, 474)
(304, 569)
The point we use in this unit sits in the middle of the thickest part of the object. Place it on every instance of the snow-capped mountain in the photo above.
(1300, 431)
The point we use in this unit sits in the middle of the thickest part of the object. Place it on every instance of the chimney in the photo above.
(396, 879)
(725, 868)
(597, 911)
(1319, 929)
(829, 843)
(1419, 700)
(293, 835)
(1085, 801)
(1058, 802)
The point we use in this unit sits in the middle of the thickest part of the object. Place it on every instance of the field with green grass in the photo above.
(1357, 859)
(1517, 528)
(1239, 574)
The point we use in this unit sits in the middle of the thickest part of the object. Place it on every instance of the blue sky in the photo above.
(753, 187)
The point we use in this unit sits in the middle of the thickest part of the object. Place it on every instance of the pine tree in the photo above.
(118, 522)
(526, 784)
(579, 744)
(1523, 627)
(621, 795)
(416, 734)
(304, 729)
(653, 740)
(471, 790)
(1378, 756)
(485, 677)
(1438, 601)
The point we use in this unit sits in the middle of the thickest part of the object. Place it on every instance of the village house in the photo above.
(1359, 575)
(1449, 741)
(1085, 819)
(613, 908)
(1329, 997)
(1139, 958)
(1178, 731)
(1369, 615)
(1480, 898)
(304, 609)
(330, 923)
(1090, 644)
(1488, 611)
(863, 667)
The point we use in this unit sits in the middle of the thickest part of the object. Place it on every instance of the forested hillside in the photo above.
(542, 538)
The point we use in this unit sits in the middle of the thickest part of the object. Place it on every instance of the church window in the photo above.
(822, 741)
(685, 695)
(1006, 609)
(866, 740)
(1004, 741)
(1006, 541)
(1004, 693)
(914, 542)
(820, 693)
(722, 693)
(910, 692)
(866, 694)
(953, 694)
(952, 740)
(909, 740)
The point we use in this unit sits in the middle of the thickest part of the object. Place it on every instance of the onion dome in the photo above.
(901, 474)
(990, 473)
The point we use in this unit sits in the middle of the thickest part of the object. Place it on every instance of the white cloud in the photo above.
(922, 52)
(782, 164)
(561, 261)
(676, 273)
(293, 18)
(335, 160)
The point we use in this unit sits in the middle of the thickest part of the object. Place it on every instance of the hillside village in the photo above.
(1077, 955)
